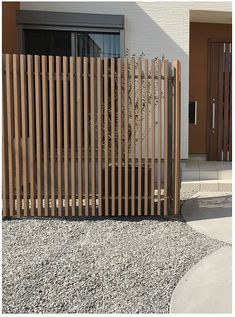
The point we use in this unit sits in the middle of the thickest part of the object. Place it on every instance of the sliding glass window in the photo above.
(75, 43)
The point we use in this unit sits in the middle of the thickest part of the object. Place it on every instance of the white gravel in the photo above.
(89, 266)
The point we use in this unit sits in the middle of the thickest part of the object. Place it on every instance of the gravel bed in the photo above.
(90, 266)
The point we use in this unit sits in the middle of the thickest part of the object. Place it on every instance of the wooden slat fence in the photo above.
(90, 137)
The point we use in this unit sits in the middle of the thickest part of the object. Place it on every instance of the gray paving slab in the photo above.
(207, 287)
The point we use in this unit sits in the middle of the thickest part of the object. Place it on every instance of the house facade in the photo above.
(199, 34)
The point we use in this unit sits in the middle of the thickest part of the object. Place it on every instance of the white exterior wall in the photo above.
(155, 28)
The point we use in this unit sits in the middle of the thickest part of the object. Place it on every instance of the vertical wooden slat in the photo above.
(79, 130)
(45, 132)
(177, 145)
(226, 102)
(31, 132)
(153, 136)
(119, 137)
(139, 136)
(86, 178)
(52, 132)
(106, 136)
(146, 140)
(113, 133)
(165, 137)
(230, 101)
(73, 131)
(5, 172)
(220, 101)
(17, 130)
(159, 136)
(92, 94)
(24, 131)
(99, 119)
(59, 133)
(133, 185)
(66, 134)
(10, 132)
(38, 132)
(126, 112)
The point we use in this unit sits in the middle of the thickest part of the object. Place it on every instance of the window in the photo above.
(71, 34)
(60, 43)
(44, 42)
(93, 44)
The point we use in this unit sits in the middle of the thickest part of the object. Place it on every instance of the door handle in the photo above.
(213, 115)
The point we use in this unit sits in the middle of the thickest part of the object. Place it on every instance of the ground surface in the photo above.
(108, 266)
(207, 287)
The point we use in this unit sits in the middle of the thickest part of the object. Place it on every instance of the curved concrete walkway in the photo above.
(210, 213)
(207, 287)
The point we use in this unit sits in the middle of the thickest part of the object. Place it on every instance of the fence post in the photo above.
(177, 128)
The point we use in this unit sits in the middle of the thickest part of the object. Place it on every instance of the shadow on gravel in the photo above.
(102, 218)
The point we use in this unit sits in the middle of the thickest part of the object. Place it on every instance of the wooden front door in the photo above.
(220, 102)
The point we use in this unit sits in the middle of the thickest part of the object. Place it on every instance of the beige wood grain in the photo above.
(159, 137)
(52, 133)
(119, 137)
(38, 110)
(45, 133)
(133, 185)
(153, 137)
(73, 132)
(79, 131)
(16, 93)
(66, 134)
(146, 138)
(59, 132)
(86, 146)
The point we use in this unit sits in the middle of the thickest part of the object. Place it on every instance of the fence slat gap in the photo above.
(92, 99)
(153, 137)
(139, 137)
(106, 137)
(113, 134)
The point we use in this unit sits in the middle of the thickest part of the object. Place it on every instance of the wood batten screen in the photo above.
(90, 137)
(220, 102)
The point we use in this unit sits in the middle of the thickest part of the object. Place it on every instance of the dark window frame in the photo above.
(72, 22)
